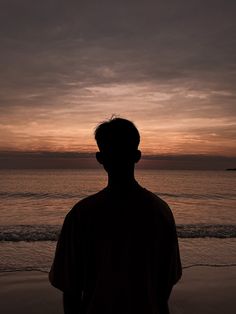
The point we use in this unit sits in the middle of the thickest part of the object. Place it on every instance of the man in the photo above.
(118, 250)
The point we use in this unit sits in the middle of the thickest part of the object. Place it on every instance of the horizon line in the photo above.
(87, 160)
(89, 154)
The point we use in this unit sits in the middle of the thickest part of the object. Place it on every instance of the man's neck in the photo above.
(122, 182)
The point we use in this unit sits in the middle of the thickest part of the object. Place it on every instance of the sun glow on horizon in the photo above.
(171, 120)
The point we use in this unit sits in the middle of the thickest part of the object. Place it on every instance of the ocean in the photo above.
(34, 203)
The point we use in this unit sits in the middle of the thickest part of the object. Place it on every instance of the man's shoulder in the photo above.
(154, 199)
(90, 202)
(158, 205)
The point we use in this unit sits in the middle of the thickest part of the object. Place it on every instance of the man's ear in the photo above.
(137, 156)
(99, 157)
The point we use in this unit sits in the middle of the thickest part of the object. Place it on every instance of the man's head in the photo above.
(118, 141)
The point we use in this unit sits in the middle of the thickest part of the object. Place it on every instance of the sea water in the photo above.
(34, 203)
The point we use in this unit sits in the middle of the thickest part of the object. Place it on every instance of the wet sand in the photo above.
(202, 290)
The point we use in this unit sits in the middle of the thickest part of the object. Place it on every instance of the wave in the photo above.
(33, 233)
(217, 196)
(58, 195)
(34, 195)
(4, 269)
(29, 233)
(206, 231)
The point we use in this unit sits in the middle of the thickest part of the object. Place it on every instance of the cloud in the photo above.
(168, 66)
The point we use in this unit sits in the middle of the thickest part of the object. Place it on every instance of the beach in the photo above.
(34, 204)
(202, 290)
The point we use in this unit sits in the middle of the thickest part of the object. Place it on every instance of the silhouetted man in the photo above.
(118, 250)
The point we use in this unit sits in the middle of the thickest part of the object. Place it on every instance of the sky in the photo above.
(168, 66)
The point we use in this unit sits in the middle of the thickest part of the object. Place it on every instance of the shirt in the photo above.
(118, 251)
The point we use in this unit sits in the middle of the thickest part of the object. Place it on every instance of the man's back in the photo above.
(118, 250)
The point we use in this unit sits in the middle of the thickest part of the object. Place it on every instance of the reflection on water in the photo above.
(44, 197)
(35, 202)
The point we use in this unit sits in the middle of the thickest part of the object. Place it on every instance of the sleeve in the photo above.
(175, 261)
(171, 262)
(66, 273)
(174, 268)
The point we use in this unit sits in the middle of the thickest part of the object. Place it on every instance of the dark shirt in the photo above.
(118, 253)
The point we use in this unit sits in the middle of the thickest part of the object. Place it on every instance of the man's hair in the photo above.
(117, 133)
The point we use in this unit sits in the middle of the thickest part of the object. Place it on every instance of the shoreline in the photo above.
(202, 289)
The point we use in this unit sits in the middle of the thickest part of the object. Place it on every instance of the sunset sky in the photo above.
(169, 66)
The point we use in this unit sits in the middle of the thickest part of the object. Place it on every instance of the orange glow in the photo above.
(168, 117)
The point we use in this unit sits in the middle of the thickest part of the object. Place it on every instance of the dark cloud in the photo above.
(158, 39)
(45, 160)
